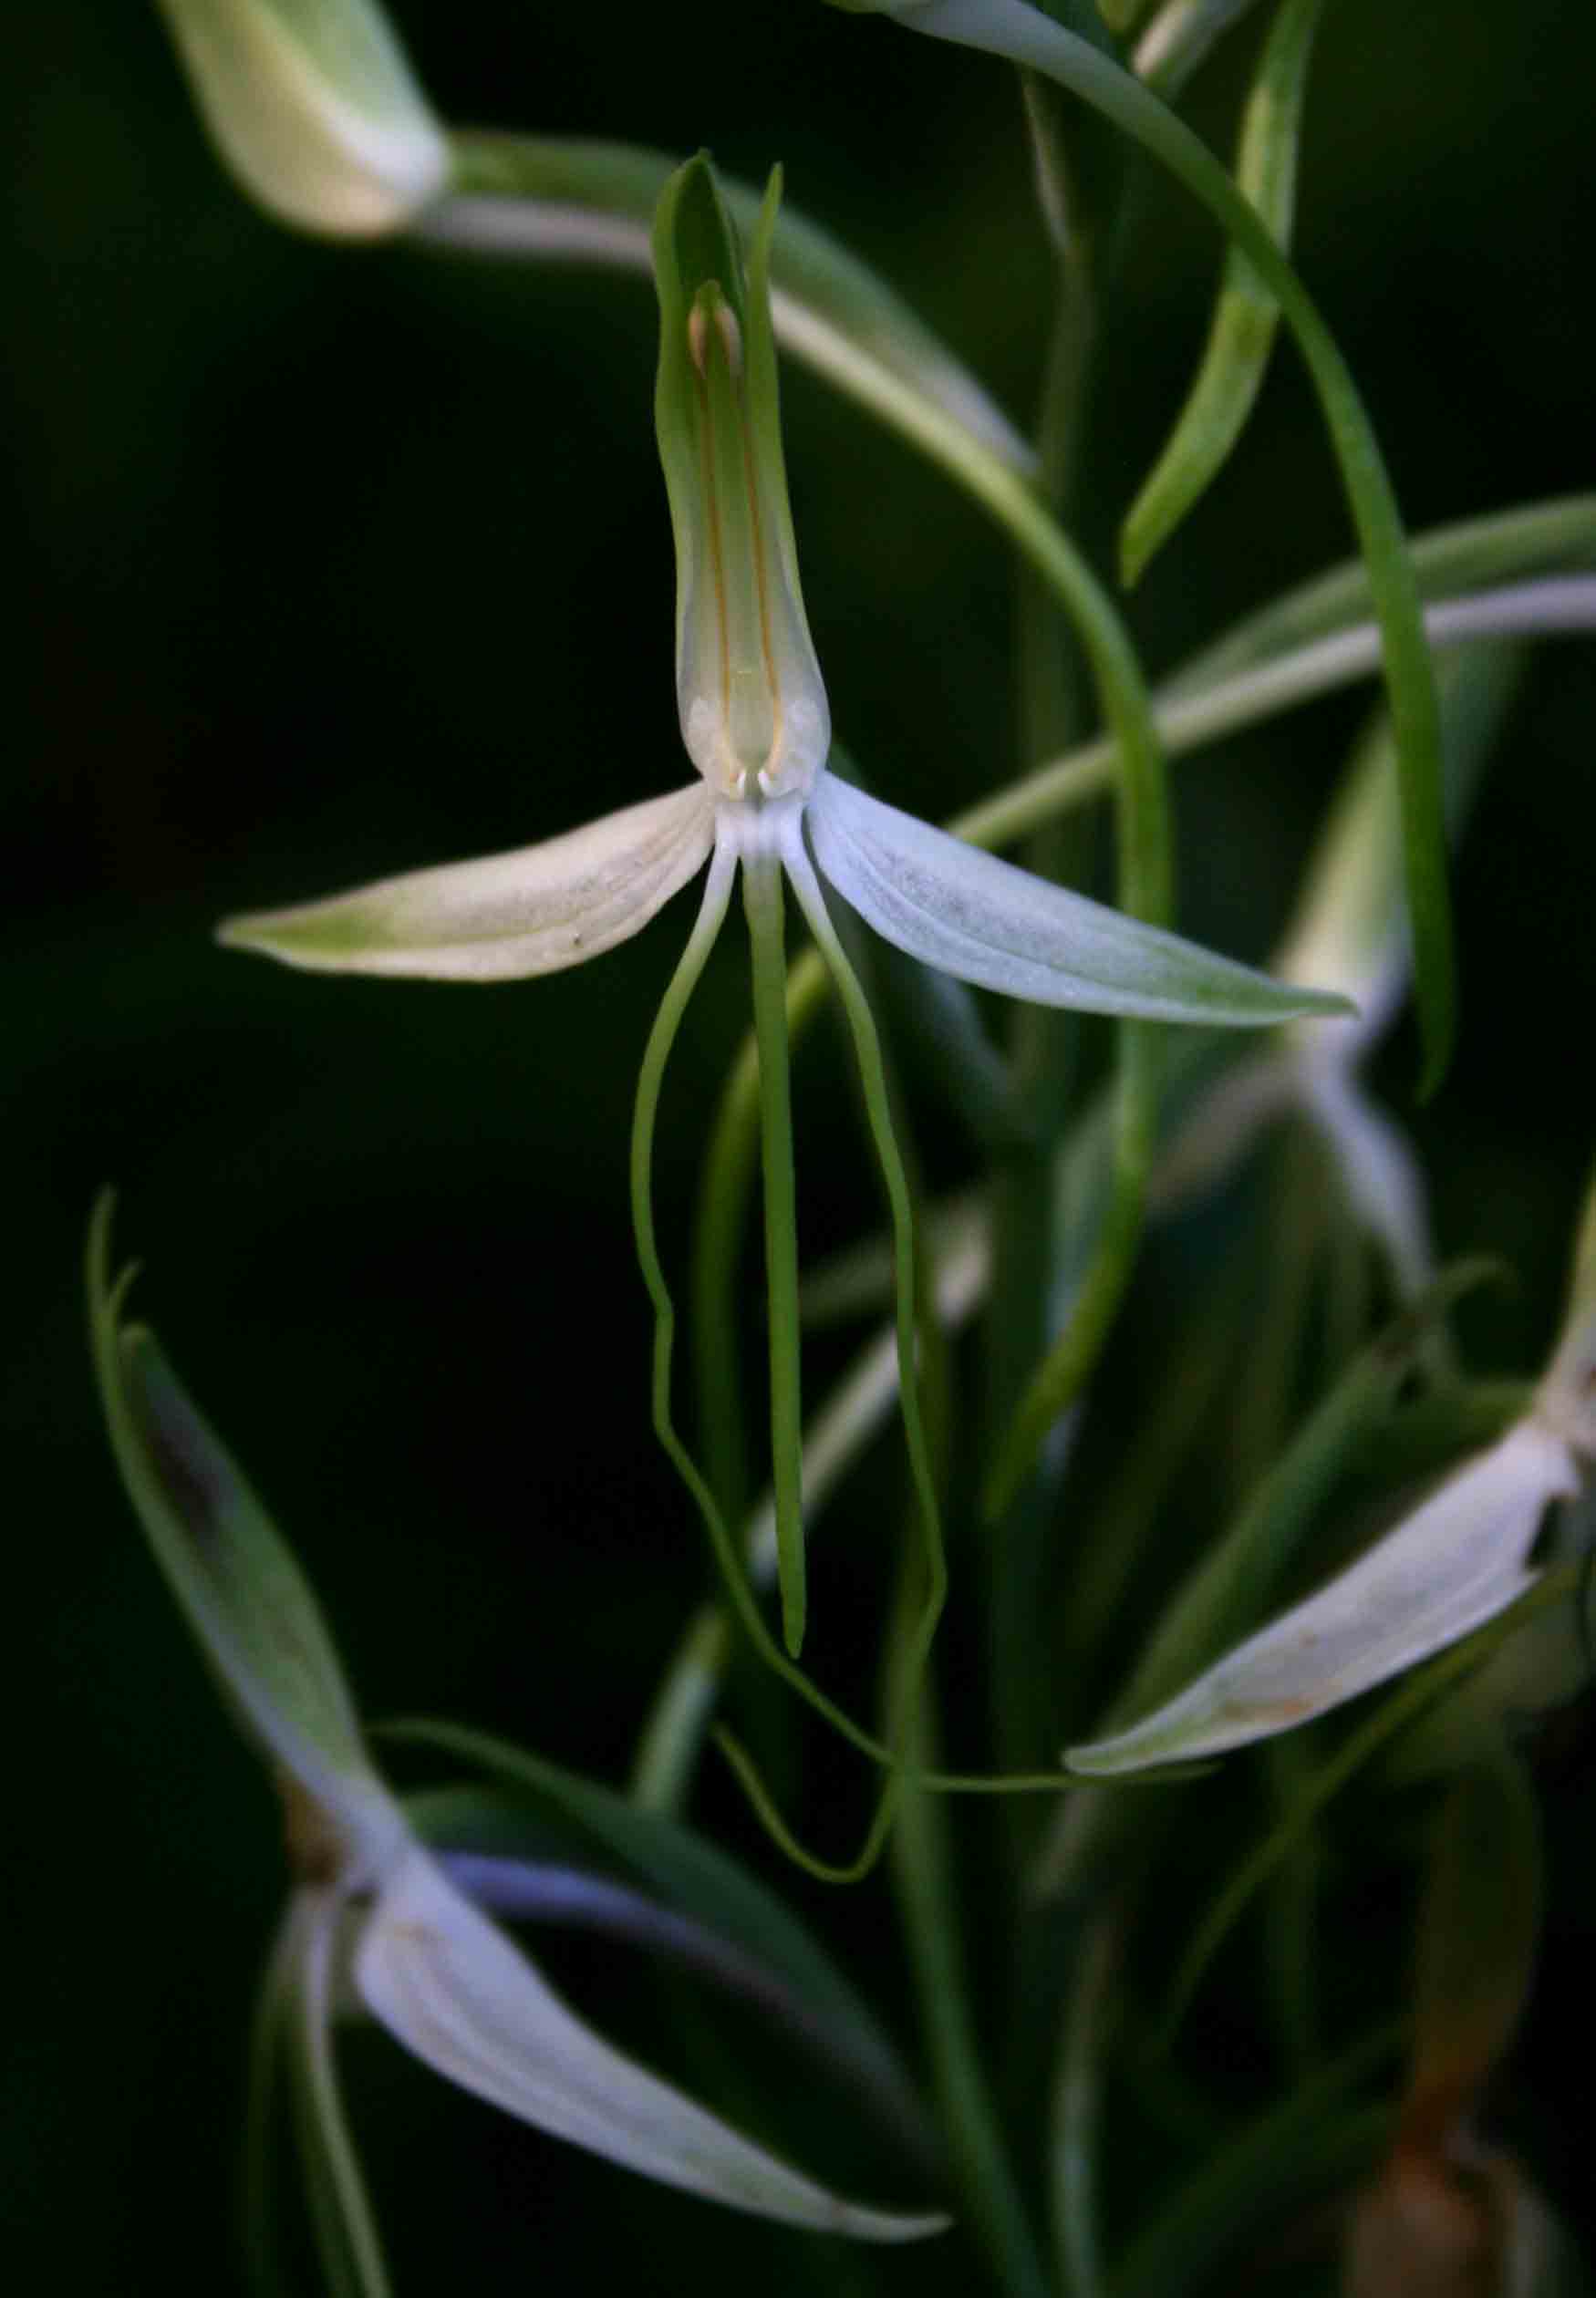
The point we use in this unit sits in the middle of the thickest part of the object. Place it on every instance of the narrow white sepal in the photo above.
(452, 1989)
(1457, 1561)
(1003, 928)
(505, 916)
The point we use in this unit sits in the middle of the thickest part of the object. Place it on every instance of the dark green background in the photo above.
(327, 563)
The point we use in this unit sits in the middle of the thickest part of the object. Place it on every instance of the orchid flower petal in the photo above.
(1451, 1566)
(990, 923)
(454, 1990)
(234, 1580)
(314, 108)
(505, 916)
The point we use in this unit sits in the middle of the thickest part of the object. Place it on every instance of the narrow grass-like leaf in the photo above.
(1023, 35)
(1245, 318)
(1478, 1930)
(1247, 2182)
(588, 201)
(531, 911)
(1470, 554)
(1395, 1714)
(454, 1991)
(1175, 40)
(987, 922)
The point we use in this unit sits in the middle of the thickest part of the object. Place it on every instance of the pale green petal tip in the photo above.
(314, 108)
(232, 1574)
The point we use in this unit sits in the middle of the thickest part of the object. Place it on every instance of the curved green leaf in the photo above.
(1243, 330)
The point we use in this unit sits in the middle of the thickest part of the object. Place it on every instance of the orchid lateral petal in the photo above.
(314, 108)
(506, 916)
(990, 923)
(1454, 1564)
(235, 1581)
(452, 1989)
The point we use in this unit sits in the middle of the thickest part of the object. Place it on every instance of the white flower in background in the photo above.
(373, 1913)
(314, 108)
(1448, 1568)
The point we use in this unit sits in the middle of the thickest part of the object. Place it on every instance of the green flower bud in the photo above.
(314, 108)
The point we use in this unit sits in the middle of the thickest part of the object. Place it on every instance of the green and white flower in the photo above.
(373, 1915)
(756, 723)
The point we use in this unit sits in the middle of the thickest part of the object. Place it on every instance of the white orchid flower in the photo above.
(373, 1912)
(756, 723)
(1453, 1563)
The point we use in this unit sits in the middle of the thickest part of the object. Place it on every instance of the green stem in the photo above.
(1077, 2104)
(921, 1867)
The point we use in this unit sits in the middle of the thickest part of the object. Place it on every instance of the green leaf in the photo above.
(1021, 34)
(592, 202)
(1468, 556)
(1243, 330)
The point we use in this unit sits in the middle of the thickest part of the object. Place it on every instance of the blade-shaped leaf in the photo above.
(579, 200)
(990, 923)
(1457, 1561)
(505, 916)
(1242, 333)
(452, 1989)
(243, 1595)
(1026, 35)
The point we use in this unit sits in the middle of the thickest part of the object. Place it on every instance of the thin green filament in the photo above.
(761, 893)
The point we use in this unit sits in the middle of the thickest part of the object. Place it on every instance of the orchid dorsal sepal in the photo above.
(371, 1902)
(752, 704)
(312, 104)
